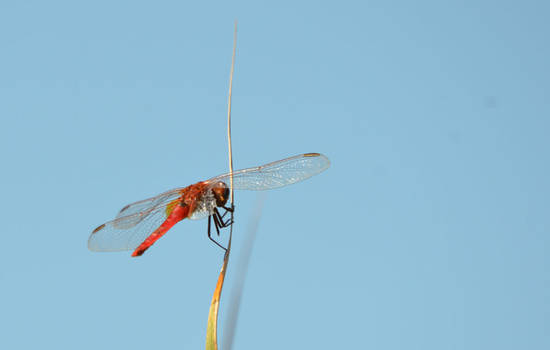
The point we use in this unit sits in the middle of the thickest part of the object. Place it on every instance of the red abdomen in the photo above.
(179, 213)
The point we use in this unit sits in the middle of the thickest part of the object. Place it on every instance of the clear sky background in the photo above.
(429, 231)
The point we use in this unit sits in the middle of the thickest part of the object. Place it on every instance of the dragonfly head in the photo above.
(221, 193)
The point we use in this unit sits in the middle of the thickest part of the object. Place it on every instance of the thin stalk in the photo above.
(212, 328)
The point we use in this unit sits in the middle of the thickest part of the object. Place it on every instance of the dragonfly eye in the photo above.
(221, 193)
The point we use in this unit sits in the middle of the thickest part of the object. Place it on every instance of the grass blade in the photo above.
(212, 324)
(240, 274)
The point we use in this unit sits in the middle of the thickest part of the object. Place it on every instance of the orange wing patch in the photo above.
(170, 207)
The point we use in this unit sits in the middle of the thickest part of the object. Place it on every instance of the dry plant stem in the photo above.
(211, 332)
(240, 272)
(229, 144)
(230, 148)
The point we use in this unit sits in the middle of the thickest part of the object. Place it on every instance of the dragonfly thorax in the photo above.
(212, 197)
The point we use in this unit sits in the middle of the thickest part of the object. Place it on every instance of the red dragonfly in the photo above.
(139, 225)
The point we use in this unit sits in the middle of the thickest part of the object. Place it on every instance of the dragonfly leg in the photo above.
(217, 229)
(229, 209)
(217, 222)
(220, 218)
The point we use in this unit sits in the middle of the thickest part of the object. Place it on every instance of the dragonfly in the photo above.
(139, 225)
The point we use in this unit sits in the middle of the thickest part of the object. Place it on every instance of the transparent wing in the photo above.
(127, 232)
(133, 223)
(149, 203)
(277, 174)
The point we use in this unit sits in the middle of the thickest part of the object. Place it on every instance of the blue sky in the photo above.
(429, 231)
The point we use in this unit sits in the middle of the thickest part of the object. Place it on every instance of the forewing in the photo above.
(127, 232)
(277, 174)
(149, 203)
